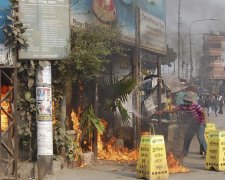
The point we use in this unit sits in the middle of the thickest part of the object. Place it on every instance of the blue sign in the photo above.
(4, 11)
(116, 13)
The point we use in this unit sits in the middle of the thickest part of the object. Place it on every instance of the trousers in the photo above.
(194, 128)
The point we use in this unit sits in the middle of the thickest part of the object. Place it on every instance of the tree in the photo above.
(91, 49)
(170, 56)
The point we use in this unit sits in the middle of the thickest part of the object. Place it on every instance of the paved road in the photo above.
(109, 171)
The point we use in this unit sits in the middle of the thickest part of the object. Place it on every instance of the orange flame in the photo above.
(76, 125)
(113, 152)
(6, 106)
(174, 165)
(78, 133)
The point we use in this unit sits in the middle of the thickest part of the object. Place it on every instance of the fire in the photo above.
(78, 132)
(76, 125)
(174, 165)
(114, 153)
(6, 106)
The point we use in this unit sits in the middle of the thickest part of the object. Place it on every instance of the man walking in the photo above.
(208, 104)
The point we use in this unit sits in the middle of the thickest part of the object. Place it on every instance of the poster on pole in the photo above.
(44, 104)
(44, 138)
(48, 31)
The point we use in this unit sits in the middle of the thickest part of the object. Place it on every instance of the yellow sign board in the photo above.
(152, 162)
(210, 127)
(215, 156)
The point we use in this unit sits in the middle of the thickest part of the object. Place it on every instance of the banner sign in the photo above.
(48, 32)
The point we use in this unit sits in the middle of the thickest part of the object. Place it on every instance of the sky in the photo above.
(192, 10)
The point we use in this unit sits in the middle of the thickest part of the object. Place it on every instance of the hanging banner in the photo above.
(44, 138)
(44, 104)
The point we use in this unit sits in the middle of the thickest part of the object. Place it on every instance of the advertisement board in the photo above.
(47, 23)
(5, 53)
(119, 14)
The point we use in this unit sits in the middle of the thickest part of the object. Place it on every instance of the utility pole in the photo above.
(178, 54)
(136, 72)
(159, 90)
(44, 119)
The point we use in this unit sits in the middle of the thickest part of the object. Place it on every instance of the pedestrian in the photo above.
(221, 103)
(196, 125)
(201, 101)
(215, 104)
(208, 104)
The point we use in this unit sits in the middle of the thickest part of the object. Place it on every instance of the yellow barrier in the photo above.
(152, 163)
(210, 127)
(215, 156)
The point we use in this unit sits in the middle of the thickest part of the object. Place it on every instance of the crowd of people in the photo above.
(211, 102)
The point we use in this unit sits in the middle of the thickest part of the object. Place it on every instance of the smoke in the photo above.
(192, 10)
(196, 9)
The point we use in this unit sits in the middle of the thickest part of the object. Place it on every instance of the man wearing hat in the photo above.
(196, 121)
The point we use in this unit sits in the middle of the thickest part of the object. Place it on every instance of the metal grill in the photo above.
(8, 135)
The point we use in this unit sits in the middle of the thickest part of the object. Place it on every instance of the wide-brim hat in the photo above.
(189, 97)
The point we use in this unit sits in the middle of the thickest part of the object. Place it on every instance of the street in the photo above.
(109, 170)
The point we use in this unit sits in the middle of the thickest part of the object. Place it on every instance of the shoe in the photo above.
(203, 157)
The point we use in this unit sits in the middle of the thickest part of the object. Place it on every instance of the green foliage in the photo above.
(90, 52)
(113, 92)
(89, 121)
(26, 102)
(59, 135)
(62, 139)
(14, 29)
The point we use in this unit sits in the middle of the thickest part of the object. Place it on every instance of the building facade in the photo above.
(212, 63)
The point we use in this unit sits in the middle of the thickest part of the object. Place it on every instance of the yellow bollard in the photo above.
(152, 163)
(215, 156)
(210, 127)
